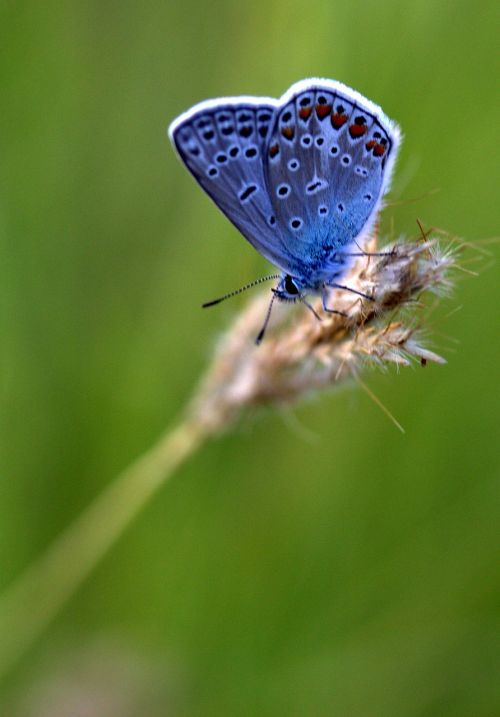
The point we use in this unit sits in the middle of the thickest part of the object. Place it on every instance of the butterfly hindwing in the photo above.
(326, 167)
(222, 143)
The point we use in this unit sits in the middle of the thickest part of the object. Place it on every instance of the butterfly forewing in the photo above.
(223, 143)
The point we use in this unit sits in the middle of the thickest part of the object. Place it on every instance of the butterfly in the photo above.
(301, 177)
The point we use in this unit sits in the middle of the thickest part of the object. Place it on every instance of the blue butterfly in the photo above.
(301, 177)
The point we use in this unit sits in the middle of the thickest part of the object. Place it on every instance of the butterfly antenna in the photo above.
(261, 333)
(239, 291)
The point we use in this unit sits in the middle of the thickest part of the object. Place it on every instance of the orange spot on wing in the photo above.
(379, 150)
(323, 110)
(371, 144)
(305, 113)
(357, 130)
(338, 120)
(273, 150)
(288, 132)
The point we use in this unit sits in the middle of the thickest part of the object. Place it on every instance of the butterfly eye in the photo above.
(290, 286)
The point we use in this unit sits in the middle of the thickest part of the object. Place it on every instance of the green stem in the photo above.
(36, 597)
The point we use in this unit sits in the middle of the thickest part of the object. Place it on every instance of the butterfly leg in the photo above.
(368, 253)
(324, 298)
(311, 308)
(362, 252)
(353, 291)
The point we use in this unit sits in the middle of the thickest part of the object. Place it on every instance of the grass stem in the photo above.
(29, 605)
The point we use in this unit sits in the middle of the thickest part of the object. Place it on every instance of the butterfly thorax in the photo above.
(312, 279)
(323, 264)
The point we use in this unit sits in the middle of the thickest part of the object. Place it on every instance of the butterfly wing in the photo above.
(222, 143)
(330, 158)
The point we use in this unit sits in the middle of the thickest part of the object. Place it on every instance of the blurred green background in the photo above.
(334, 568)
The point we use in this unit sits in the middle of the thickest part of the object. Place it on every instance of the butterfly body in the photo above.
(301, 177)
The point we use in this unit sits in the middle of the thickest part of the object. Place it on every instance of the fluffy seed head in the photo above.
(300, 354)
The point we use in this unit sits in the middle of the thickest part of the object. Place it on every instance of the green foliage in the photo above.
(354, 573)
